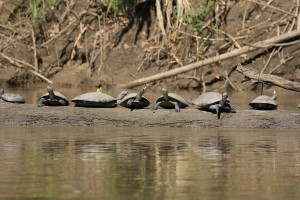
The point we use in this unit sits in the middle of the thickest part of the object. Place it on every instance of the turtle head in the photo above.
(274, 95)
(144, 88)
(49, 89)
(51, 93)
(224, 99)
(99, 88)
(164, 92)
(190, 101)
(122, 95)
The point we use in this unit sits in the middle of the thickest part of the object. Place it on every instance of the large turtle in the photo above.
(264, 102)
(53, 98)
(170, 101)
(11, 97)
(214, 102)
(98, 100)
(135, 100)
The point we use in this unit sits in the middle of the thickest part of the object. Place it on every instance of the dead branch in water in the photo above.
(236, 52)
(281, 82)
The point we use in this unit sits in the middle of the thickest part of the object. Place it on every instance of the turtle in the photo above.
(98, 100)
(264, 102)
(170, 101)
(52, 98)
(299, 106)
(214, 102)
(11, 97)
(135, 100)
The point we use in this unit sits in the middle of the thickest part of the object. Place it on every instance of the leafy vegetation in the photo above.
(38, 9)
(197, 17)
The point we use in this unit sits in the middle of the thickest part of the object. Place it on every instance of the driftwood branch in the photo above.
(20, 64)
(276, 80)
(236, 52)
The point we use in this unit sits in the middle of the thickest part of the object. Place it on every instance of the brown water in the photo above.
(148, 163)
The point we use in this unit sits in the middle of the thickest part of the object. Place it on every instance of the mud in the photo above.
(30, 114)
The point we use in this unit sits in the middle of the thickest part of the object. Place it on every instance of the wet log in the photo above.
(276, 80)
(246, 49)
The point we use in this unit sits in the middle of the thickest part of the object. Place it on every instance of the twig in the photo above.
(268, 61)
(60, 33)
(273, 7)
(236, 44)
(34, 51)
(177, 59)
(270, 45)
(20, 64)
(82, 31)
(283, 61)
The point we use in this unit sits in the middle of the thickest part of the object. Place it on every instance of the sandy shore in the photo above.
(30, 114)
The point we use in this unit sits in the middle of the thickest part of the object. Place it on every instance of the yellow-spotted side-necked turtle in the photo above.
(11, 97)
(135, 100)
(98, 100)
(214, 102)
(170, 101)
(53, 98)
(264, 102)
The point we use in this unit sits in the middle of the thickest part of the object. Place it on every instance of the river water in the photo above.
(148, 163)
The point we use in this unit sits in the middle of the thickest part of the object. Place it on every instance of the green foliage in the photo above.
(196, 17)
(115, 7)
(40, 8)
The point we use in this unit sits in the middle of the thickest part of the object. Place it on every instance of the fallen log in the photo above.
(276, 80)
(246, 49)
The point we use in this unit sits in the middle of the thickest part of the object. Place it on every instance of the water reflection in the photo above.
(148, 163)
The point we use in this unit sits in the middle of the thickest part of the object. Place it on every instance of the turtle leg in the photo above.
(62, 102)
(216, 108)
(129, 104)
(231, 108)
(41, 102)
(177, 109)
(156, 106)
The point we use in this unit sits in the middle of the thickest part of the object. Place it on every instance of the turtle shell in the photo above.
(207, 99)
(144, 102)
(95, 99)
(263, 102)
(12, 97)
(172, 97)
(54, 102)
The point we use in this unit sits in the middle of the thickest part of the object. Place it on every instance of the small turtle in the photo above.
(264, 102)
(214, 102)
(11, 97)
(98, 100)
(53, 98)
(170, 101)
(135, 100)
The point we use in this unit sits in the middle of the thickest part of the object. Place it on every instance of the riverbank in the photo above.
(30, 114)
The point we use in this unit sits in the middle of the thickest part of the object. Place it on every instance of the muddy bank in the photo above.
(30, 114)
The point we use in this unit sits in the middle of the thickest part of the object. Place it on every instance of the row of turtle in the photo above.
(210, 101)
